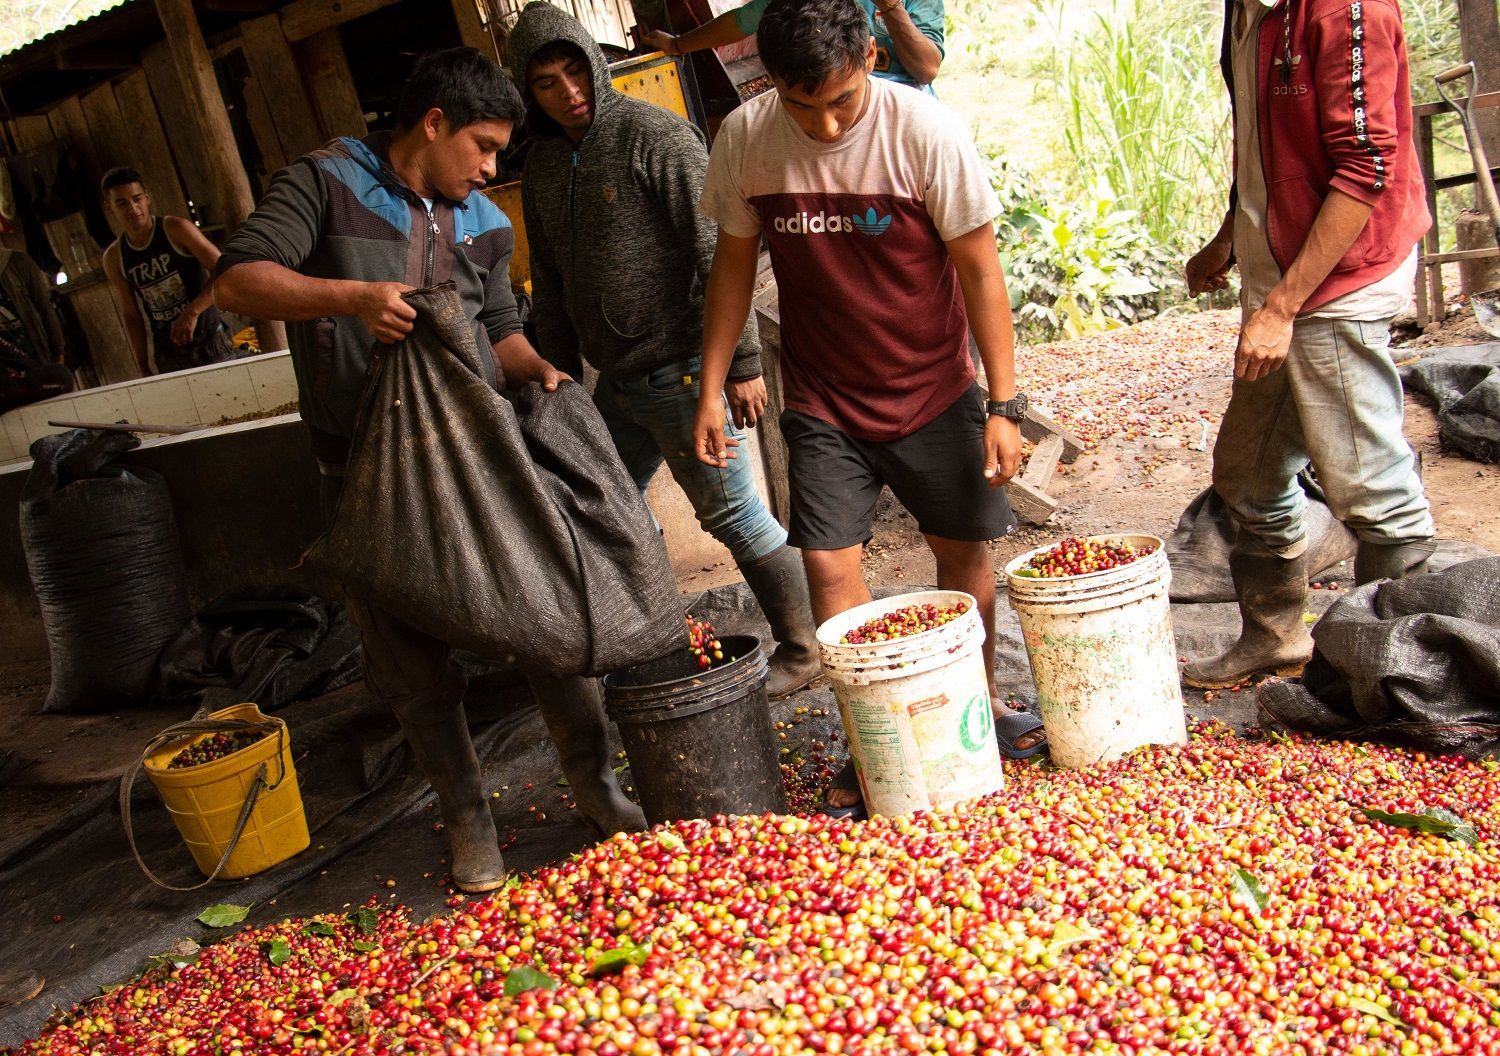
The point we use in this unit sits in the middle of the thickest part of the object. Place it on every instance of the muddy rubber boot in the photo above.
(438, 733)
(573, 709)
(1272, 593)
(780, 588)
(1374, 561)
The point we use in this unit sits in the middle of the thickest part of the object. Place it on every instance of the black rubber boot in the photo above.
(434, 724)
(573, 710)
(1374, 561)
(780, 587)
(1272, 594)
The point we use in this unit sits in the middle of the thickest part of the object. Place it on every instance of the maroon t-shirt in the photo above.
(873, 329)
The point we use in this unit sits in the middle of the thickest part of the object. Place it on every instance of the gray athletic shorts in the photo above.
(937, 473)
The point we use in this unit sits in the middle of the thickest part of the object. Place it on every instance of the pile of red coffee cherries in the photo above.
(704, 644)
(213, 748)
(904, 622)
(1078, 557)
(1225, 896)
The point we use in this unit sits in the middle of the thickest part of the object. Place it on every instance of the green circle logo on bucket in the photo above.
(974, 729)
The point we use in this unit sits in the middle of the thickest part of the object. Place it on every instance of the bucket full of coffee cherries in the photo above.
(1097, 624)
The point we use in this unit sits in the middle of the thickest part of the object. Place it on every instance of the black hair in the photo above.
(804, 42)
(464, 85)
(552, 51)
(119, 176)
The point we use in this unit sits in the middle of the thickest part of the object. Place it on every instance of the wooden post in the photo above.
(195, 69)
(331, 85)
(150, 154)
(1479, 38)
(275, 69)
(471, 27)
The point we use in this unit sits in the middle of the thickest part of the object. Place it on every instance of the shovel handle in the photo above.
(1485, 185)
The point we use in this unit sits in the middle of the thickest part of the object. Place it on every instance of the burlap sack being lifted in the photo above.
(501, 523)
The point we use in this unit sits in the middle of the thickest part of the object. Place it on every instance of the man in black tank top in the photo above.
(160, 272)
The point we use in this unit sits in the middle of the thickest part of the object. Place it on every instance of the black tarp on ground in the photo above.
(1414, 663)
(371, 816)
(270, 645)
(1464, 383)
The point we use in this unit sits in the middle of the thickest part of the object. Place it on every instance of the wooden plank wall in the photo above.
(609, 20)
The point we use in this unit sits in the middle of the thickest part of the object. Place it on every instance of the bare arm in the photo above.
(519, 363)
(914, 49)
(1267, 335)
(715, 33)
(130, 311)
(726, 307)
(186, 238)
(979, 273)
(1208, 270)
(266, 289)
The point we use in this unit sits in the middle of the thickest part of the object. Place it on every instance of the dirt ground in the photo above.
(1150, 459)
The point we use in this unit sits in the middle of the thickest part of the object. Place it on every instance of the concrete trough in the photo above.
(245, 493)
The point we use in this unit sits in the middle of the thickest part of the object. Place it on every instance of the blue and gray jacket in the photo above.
(341, 212)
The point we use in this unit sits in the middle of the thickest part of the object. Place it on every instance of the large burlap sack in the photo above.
(101, 546)
(500, 523)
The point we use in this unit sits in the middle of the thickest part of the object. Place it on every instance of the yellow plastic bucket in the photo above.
(239, 815)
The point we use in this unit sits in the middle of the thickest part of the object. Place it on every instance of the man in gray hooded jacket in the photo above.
(340, 234)
(619, 258)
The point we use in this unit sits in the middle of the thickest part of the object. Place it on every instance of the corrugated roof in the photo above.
(53, 18)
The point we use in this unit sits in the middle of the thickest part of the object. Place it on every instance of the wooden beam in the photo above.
(331, 85)
(471, 28)
(69, 123)
(113, 141)
(306, 18)
(240, 7)
(1479, 38)
(275, 71)
(152, 156)
(263, 127)
(195, 72)
(32, 131)
(96, 57)
(181, 131)
(773, 450)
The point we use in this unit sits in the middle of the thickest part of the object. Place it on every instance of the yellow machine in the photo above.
(651, 78)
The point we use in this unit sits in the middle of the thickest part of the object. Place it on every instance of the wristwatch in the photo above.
(1014, 409)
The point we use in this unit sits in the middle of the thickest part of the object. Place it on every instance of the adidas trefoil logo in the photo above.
(870, 223)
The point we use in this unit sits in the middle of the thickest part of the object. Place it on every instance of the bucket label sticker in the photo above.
(927, 704)
(976, 726)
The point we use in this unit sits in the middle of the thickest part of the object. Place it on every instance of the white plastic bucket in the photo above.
(1102, 655)
(916, 709)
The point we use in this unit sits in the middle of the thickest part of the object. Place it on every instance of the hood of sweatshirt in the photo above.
(541, 24)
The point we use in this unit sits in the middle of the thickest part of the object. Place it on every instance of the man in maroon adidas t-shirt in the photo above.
(879, 218)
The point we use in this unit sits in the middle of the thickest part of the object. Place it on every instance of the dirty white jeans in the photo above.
(1336, 402)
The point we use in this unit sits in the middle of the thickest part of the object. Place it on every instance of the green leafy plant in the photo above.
(1145, 111)
(1079, 266)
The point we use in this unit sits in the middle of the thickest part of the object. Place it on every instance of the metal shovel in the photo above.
(1486, 302)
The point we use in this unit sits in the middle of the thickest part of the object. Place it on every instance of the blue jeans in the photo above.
(650, 418)
(1336, 402)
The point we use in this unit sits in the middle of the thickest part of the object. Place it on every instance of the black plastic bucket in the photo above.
(700, 742)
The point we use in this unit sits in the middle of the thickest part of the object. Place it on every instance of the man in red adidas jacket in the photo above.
(1324, 217)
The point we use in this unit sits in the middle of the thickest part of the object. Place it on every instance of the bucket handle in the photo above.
(188, 728)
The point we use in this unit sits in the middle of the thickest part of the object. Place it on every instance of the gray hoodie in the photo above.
(619, 253)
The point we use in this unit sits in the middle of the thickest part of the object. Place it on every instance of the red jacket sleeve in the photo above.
(1358, 56)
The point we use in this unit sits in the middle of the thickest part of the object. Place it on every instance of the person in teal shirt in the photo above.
(908, 37)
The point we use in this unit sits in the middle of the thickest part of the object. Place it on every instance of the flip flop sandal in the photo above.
(1010, 727)
(847, 780)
